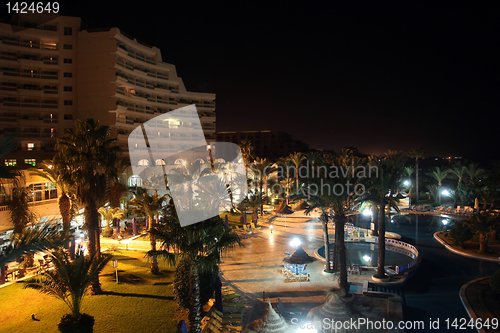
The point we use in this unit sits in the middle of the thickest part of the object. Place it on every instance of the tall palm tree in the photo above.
(262, 169)
(51, 171)
(297, 159)
(458, 171)
(150, 206)
(417, 153)
(284, 172)
(439, 175)
(379, 194)
(70, 280)
(339, 202)
(201, 244)
(247, 151)
(409, 170)
(20, 213)
(86, 156)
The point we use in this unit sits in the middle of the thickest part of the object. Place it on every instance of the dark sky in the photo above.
(377, 76)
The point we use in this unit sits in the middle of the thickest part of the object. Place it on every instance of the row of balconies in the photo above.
(29, 74)
(30, 60)
(131, 78)
(29, 44)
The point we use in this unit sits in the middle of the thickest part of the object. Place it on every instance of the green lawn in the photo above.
(141, 302)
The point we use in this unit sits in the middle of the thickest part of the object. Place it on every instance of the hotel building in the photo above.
(52, 72)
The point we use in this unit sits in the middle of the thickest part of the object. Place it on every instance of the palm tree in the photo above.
(247, 151)
(379, 193)
(86, 156)
(482, 224)
(439, 175)
(69, 281)
(30, 241)
(409, 171)
(297, 159)
(286, 164)
(20, 214)
(110, 214)
(150, 206)
(51, 171)
(262, 169)
(458, 170)
(340, 203)
(417, 153)
(201, 244)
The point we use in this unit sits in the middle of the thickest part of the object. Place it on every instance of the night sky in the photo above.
(371, 75)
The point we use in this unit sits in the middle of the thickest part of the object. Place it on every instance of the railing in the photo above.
(410, 249)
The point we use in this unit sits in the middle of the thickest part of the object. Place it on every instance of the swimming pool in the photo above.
(365, 254)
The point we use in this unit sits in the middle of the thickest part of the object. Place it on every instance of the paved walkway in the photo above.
(255, 268)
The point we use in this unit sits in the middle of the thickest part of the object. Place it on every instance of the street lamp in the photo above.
(295, 242)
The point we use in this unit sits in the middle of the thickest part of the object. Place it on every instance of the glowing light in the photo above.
(407, 183)
(367, 212)
(367, 258)
(392, 221)
(295, 242)
(445, 221)
(445, 192)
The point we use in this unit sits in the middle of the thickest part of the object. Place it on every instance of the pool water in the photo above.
(365, 254)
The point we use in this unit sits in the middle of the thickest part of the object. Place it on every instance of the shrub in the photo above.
(107, 232)
(460, 234)
(182, 284)
(70, 324)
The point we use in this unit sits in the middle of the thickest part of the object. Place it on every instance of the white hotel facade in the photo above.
(52, 73)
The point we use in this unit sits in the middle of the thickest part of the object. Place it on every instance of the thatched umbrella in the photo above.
(283, 208)
(334, 310)
(271, 322)
(302, 205)
(300, 257)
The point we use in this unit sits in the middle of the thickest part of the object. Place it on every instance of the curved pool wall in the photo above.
(401, 255)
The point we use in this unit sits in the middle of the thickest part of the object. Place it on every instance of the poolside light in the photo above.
(392, 221)
(367, 258)
(367, 212)
(295, 242)
(445, 221)
(445, 192)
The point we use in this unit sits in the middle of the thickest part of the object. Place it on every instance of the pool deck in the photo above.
(255, 269)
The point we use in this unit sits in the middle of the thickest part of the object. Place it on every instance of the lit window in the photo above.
(144, 162)
(135, 180)
(31, 161)
(160, 162)
(11, 162)
(31, 146)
